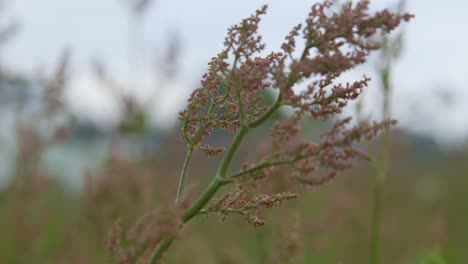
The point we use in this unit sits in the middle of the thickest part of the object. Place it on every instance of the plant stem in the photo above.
(218, 181)
(381, 170)
(231, 151)
(160, 249)
(206, 196)
(267, 115)
(183, 175)
(380, 173)
(267, 165)
(379, 176)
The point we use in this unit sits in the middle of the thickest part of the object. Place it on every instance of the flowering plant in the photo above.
(335, 40)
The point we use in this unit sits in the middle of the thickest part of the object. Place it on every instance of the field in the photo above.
(280, 156)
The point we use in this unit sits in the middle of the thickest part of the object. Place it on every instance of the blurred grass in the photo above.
(425, 216)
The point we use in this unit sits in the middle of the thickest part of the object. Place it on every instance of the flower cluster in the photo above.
(135, 245)
(232, 97)
(231, 91)
(335, 43)
(312, 163)
(238, 202)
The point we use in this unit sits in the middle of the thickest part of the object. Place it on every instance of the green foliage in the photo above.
(430, 257)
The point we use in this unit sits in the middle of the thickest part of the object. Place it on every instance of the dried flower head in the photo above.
(240, 202)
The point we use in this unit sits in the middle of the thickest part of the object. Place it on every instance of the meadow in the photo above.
(256, 171)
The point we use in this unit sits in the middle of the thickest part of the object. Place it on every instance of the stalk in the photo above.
(188, 158)
(206, 196)
(217, 182)
(183, 175)
(380, 171)
(377, 209)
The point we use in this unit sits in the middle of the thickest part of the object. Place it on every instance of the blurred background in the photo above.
(89, 96)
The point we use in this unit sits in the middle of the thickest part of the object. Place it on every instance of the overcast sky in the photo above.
(432, 71)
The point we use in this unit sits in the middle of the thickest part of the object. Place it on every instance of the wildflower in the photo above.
(230, 98)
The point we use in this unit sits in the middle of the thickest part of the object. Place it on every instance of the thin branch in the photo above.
(228, 210)
(292, 79)
(183, 175)
(266, 164)
(267, 115)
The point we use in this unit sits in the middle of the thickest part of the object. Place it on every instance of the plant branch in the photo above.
(160, 249)
(267, 115)
(292, 79)
(231, 151)
(206, 196)
(241, 108)
(379, 177)
(183, 175)
(241, 211)
(267, 164)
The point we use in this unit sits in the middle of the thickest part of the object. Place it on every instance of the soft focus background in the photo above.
(89, 95)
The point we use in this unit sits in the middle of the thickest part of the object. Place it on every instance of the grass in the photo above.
(423, 222)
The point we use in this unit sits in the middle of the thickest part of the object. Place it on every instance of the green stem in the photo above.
(183, 175)
(380, 172)
(160, 249)
(267, 115)
(241, 108)
(379, 175)
(206, 196)
(218, 181)
(267, 164)
(196, 137)
(231, 151)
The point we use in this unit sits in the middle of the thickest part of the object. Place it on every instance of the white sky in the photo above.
(434, 65)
